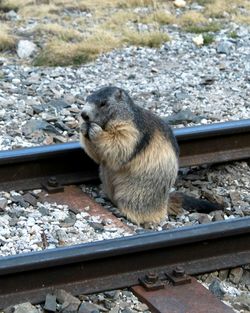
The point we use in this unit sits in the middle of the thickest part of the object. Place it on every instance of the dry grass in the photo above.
(60, 53)
(241, 19)
(238, 10)
(196, 22)
(153, 39)
(7, 41)
(7, 5)
(242, 16)
(137, 3)
(62, 33)
(191, 18)
(161, 17)
(217, 8)
(39, 11)
(119, 19)
(203, 28)
(81, 5)
(112, 24)
(203, 2)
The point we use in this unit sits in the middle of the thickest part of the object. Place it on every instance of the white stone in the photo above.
(25, 49)
(16, 81)
(2, 113)
(180, 3)
(198, 40)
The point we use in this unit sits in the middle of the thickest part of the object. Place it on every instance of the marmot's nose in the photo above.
(85, 116)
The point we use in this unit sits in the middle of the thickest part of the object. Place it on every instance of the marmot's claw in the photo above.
(94, 131)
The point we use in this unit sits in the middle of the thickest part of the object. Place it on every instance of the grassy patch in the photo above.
(60, 53)
(217, 8)
(205, 28)
(7, 41)
(153, 39)
(62, 33)
(233, 34)
(137, 3)
(208, 39)
(113, 23)
(203, 2)
(191, 18)
(39, 11)
(73, 5)
(7, 5)
(119, 19)
(195, 22)
(242, 18)
(159, 16)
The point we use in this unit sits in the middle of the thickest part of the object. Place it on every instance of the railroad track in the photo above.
(152, 259)
(32, 167)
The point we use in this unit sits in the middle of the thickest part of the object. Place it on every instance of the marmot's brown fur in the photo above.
(137, 153)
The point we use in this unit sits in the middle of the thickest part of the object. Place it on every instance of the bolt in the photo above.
(179, 271)
(52, 181)
(151, 278)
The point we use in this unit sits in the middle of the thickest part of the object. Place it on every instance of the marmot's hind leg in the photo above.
(154, 216)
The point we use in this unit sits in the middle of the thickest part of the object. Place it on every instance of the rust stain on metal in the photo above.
(178, 276)
(52, 185)
(151, 281)
(190, 298)
(78, 201)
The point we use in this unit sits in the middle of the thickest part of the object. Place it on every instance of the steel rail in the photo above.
(31, 167)
(118, 263)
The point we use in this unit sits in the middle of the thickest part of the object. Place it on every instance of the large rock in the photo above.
(182, 117)
(246, 278)
(216, 288)
(50, 303)
(86, 307)
(34, 125)
(63, 296)
(25, 49)
(224, 47)
(236, 275)
(12, 16)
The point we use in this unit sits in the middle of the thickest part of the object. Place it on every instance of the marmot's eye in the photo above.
(102, 104)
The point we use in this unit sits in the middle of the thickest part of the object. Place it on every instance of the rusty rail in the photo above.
(214, 143)
(31, 168)
(118, 263)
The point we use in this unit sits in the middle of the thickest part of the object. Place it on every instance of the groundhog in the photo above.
(137, 153)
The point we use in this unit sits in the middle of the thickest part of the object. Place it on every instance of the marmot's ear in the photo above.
(119, 94)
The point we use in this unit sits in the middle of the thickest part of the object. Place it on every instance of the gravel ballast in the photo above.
(189, 85)
(200, 84)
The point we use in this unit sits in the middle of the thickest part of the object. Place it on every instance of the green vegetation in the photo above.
(208, 39)
(205, 28)
(233, 34)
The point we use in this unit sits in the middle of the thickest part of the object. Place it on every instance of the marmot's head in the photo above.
(106, 104)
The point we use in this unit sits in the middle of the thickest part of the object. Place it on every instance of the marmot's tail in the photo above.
(179, 201)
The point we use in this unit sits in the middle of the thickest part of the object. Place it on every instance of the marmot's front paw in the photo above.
(84, 128)
(94, 131)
